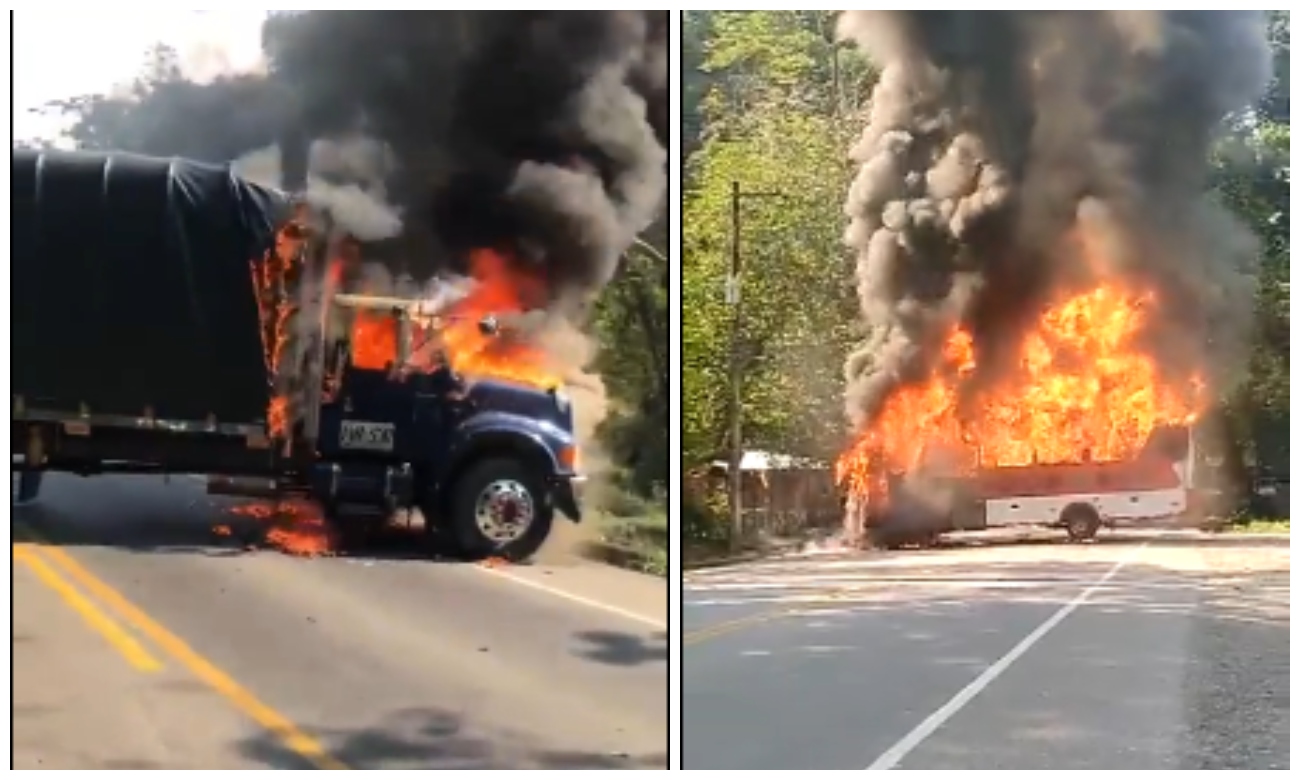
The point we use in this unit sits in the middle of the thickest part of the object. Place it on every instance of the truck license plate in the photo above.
(360, 435)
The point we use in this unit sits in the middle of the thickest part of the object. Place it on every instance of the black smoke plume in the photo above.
(541, 133)
(997, 138)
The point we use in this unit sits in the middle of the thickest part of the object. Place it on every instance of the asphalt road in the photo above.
(1164, 652)
(259, 659)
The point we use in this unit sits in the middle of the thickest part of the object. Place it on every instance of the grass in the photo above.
(638, 543)
(1260, 525)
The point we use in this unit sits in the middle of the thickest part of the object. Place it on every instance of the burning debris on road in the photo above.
(1042, 276)
(292, 528)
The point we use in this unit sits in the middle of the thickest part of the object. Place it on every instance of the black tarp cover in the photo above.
(131, 286)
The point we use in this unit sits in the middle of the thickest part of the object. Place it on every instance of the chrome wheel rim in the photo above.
(504, 511)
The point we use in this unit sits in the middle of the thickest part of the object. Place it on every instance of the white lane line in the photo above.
(557, 592)
(576, 599)
(891, 757)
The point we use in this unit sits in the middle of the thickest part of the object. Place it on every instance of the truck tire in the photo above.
(500, 509)
(1081, 522)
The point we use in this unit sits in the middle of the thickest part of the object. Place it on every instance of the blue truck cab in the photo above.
(487, 462)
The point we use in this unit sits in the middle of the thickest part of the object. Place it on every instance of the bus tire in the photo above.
(1081, 522)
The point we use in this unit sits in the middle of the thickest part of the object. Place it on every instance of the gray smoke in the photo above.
(344, 183)
(539, 133)
(994, 137)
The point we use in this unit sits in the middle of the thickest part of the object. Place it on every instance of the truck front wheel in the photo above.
(500, 509)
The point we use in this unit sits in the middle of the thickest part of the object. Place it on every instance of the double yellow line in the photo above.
(732, 626)
(126, 644)
(63, 574)
(827, 598)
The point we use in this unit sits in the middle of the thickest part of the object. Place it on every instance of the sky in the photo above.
(94, 51)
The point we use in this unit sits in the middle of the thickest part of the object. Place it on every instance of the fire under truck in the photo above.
(1157, 486)
(140, 345)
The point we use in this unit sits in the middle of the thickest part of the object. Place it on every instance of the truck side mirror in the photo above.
(489, 326)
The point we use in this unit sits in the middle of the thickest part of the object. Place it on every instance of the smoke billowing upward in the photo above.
(561, 160)
(541, 133)
(1003, 147)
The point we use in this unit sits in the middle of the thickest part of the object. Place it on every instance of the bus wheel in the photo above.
(1081, 522)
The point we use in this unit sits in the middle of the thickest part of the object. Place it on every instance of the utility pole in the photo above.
(736, 372)
(734, 482)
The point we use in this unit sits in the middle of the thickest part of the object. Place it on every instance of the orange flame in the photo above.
(1082, 391)
(297, 529)
(275, 309)
(499, 290)
(374, 340)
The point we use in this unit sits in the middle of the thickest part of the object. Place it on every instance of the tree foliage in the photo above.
(768, 120)
(1253, 176)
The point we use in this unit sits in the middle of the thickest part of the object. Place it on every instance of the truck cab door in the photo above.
(438, 400)
(371, 413)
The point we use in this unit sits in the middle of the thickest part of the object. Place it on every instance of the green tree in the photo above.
(1253, 176)
(697, 28)
(165, 114)
(632, 324)
(1276, 105)
(770, 122)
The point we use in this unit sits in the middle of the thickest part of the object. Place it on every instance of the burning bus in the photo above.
(1051, 294)
(1156, 486)
(1082, 431)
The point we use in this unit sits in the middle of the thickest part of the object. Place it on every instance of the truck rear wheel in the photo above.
(500, 509)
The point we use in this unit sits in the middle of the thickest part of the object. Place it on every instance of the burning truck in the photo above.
(170, 317)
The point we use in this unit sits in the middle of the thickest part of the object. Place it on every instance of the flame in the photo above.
(1082, 392)
(374, 340)
(275, 310)
(499, 291)
(297, 528)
